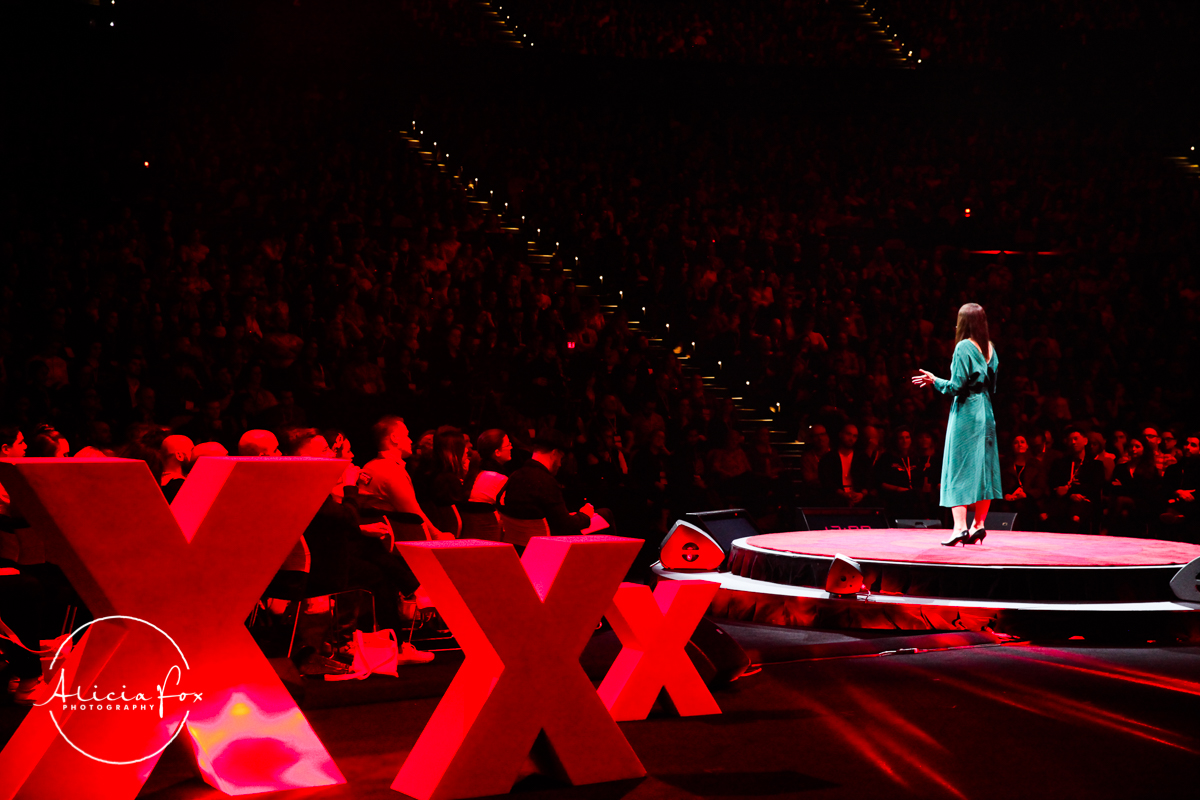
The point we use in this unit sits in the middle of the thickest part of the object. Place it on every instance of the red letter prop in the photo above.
(654, 628)
(522, 625)
(194, 569)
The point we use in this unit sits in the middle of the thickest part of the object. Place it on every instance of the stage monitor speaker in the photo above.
(845, 576)
(838, 519)
(725, 526)
(717, 656)
(1000, 520)
(919, 523)
(1184, 584)
(686, 547)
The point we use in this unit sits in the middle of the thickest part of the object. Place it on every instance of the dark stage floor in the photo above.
(1002, 722)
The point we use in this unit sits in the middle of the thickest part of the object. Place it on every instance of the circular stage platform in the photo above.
(1018, 582)
(1009, 566)
(1000, 548)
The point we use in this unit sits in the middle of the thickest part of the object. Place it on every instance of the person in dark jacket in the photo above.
(1023, 479)
(845, 473)
(1076, 485)
(1180, 484)
(1134, 486)
(532, 493)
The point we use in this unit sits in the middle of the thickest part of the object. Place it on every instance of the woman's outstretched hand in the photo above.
(924, 379)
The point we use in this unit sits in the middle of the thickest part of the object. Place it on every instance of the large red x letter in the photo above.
(522, 625)
(654, 628)
(195, 569)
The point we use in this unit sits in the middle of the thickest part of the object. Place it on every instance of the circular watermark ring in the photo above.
(71, 638)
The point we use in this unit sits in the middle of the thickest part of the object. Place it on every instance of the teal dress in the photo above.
(971, 460)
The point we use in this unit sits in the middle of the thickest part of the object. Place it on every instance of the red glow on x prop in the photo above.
(194, 569)
(654, 628)
(522, 625)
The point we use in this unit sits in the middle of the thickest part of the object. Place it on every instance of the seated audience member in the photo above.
(144, 447)
(1134, 486)
(293, 439)
(211, 424)
(1179, 489)
(1098, 449)
(439, 484)
(34, 594)
(489, 472)
(765, 462)
(816, 446)
(931, 470)
(291, 581)
(532, 494)
(649, 476)
(423, 450)
(1169, 447)
(604, 468)
(334, 529)
(24, 611)
(384, 485)
(898, 476)
(1076, 485)
(843, 471)
(1119, 440)
(730, 463)
(49, 443)
(1153, 444)
(12, 445)
(258, 443)
(871, 452)
(175, 453)
(215, 449)
(1023, 480)
(340, 446)
(646, 422)
(485, 481)
(336, 545)
(385, 491)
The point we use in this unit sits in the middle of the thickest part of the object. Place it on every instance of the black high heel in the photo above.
(963, 536)
(976, 537)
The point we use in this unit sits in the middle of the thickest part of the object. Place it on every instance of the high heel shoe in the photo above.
(959, 536)
(976, 536)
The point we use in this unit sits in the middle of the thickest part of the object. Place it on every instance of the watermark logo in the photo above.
(163, 700)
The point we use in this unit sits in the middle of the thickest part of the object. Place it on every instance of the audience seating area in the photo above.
(708, 295)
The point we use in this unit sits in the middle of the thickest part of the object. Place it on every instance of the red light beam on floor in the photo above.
(1105, 670)
(881, 713)
(853, 737)
(1063, 709)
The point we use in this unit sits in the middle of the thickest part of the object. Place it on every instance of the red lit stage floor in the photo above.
(1007, 548)
(1028, 584)
(986, 722)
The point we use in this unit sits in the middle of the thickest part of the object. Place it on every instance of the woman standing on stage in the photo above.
(971, 460)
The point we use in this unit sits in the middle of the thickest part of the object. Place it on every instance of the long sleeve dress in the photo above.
(971, 459)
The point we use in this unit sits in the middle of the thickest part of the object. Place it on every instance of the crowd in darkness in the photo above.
(1057, 33)
(291, 262)
(455, 21)
(276, 262)
(791, 32)
(816, 266)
